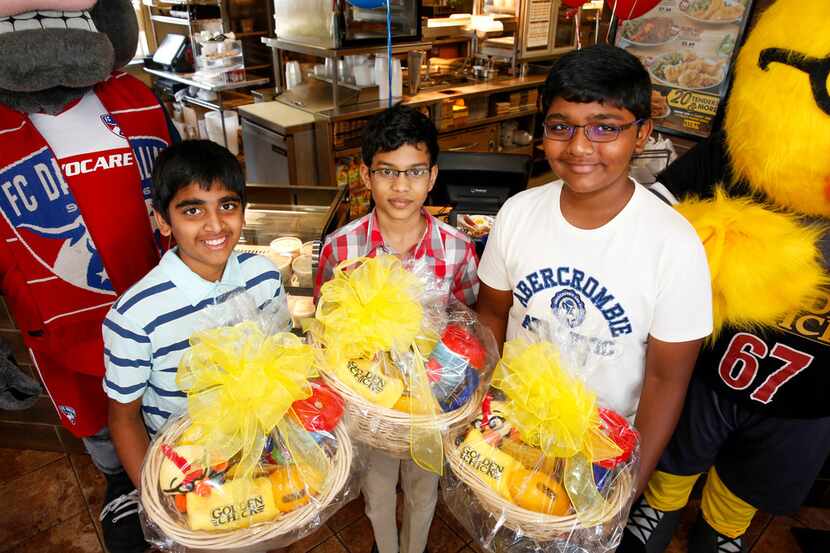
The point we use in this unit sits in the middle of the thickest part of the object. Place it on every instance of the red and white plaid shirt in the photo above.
(447, 251)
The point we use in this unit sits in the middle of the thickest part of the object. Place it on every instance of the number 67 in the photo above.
(739, 365)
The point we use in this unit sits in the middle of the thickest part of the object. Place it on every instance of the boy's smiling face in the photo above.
(400, 198)
(593, 167)
(206, 225)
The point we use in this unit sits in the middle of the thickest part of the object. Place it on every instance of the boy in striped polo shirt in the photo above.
(199, 200)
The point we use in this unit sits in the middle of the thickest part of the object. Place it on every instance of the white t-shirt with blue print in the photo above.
(642, 273)
(148, 329)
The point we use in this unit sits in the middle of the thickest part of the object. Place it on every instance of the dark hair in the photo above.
(601, 73)
(194, 161)
(395, 127)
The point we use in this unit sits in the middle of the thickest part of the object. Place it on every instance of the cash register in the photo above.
(476, 185)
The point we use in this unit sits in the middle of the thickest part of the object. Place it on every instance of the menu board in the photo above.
(688, 47)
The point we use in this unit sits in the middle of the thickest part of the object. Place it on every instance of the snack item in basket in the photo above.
(320, 412)
(292, 486)
(453, 365)
(185, 469)
(529, 456)
(365, 377)
(490, 464)
(537, 491)
(229, 507)
(407, 404)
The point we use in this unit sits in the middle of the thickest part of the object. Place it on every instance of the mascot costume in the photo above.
(757, 416)
(78, 140)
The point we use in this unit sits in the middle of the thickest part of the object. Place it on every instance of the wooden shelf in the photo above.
(487, 120)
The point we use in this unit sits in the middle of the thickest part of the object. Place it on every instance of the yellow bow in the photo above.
(240, 385)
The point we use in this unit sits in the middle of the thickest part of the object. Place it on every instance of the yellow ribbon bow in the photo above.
(240, 385)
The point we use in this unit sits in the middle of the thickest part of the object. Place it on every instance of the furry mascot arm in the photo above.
(763, 263)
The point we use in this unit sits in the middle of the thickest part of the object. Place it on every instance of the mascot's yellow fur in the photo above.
(756, 418)
(763, 259)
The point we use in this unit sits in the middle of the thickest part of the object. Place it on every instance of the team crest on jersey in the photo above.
(112, 125)
(68, 412)
(36, 202)
(568, 307)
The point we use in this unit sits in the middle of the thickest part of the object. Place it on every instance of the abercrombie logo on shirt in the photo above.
(569, 303)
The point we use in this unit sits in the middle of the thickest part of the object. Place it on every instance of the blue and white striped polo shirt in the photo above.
(147, 330)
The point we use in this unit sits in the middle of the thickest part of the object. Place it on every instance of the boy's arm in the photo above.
(493, 308)
(128, 355)
(465, 284)
(129, 436)
(668, 369)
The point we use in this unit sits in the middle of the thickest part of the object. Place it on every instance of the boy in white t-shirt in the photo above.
(623, 272)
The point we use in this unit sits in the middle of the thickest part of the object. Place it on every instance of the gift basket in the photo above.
(409, 360)
(261, 457)
(543, 467)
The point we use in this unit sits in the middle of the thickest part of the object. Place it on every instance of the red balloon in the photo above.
(574, 3)
(630, 9)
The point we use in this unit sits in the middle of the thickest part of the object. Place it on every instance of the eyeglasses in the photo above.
(818, 69)
(595, 132)
(414, 174)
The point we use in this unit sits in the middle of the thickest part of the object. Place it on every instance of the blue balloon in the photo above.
(367, 4)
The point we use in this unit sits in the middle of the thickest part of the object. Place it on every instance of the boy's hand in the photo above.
(668, 369)
(129, 436)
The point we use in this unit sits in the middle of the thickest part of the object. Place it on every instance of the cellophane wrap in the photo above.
(260, 457)
(544, 468)
(410, 360)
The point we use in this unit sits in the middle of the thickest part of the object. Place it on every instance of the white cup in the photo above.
(293, 76)
(363, 75)
(343, 71)
(301, 267)
(287, 245)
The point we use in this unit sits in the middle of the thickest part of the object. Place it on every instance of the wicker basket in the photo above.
(538, 526)
(389, 430)
(243, 539)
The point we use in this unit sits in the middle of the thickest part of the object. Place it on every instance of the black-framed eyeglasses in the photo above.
(413, 173)
(595, 132)
(818, 69)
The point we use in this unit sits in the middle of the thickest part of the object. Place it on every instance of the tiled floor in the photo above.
(52, 500)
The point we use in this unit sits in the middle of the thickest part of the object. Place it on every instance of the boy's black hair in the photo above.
(194, 161)
(395, 127)
(601, 73)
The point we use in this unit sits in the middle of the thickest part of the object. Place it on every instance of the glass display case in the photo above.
(290, 236)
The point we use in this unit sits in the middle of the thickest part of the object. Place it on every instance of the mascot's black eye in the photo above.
(818, 70)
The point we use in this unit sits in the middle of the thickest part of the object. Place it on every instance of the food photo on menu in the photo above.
(687, 46)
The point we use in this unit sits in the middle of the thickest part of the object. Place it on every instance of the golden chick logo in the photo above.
(778, 116)
(812, 323)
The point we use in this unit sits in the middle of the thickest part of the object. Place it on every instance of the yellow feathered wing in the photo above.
(763, 263)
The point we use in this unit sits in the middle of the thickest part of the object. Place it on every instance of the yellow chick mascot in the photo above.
(757, 415)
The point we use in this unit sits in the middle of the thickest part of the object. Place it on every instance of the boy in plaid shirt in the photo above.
(400, 151)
